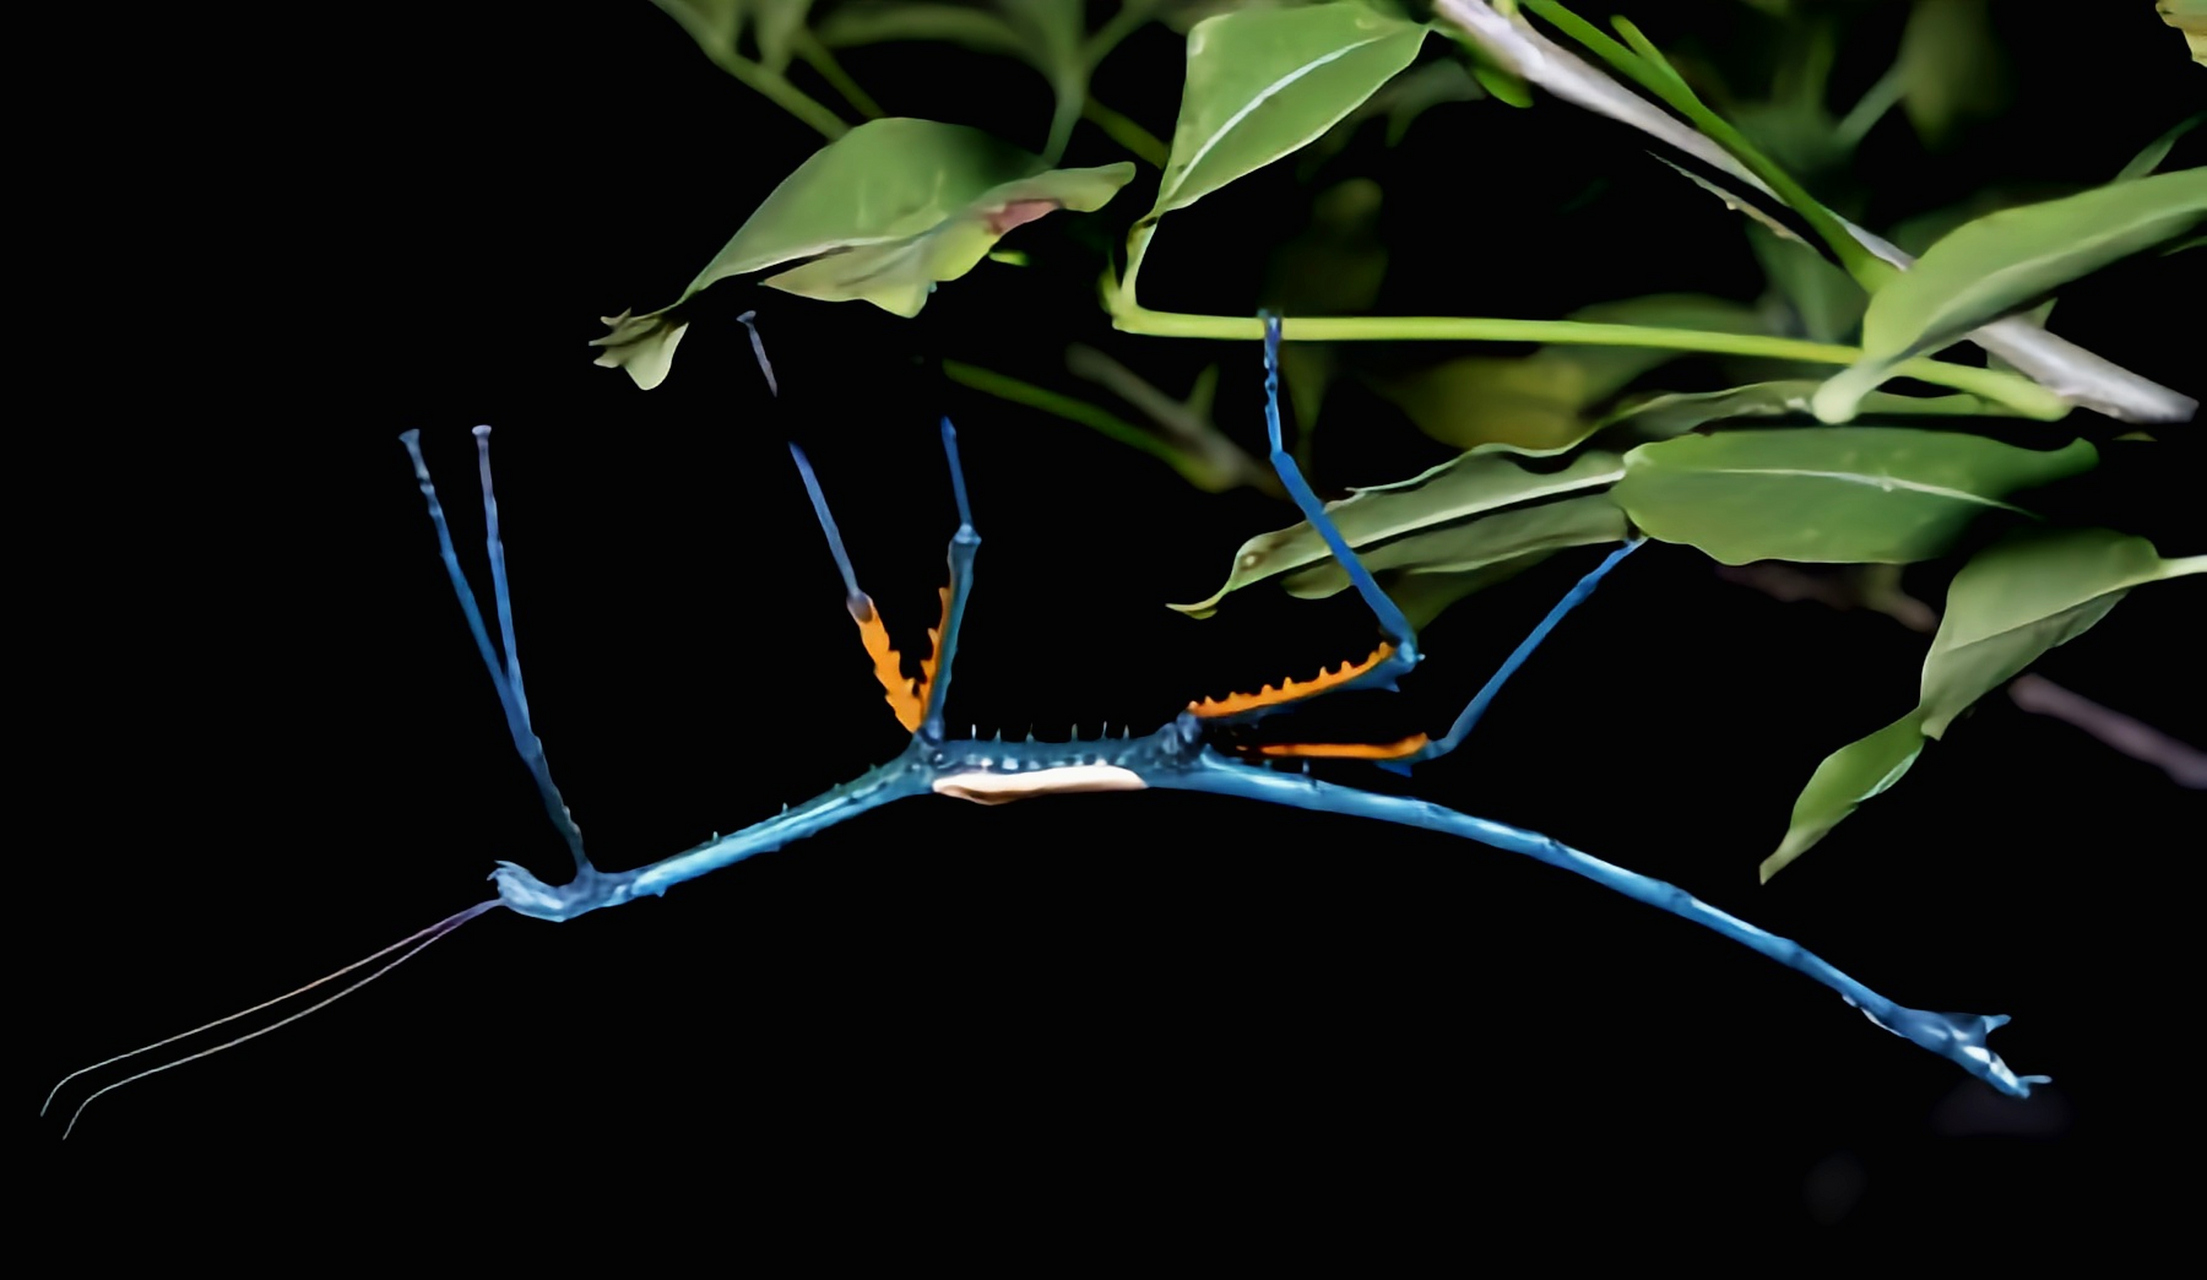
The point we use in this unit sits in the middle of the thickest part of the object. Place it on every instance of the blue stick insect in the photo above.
(1205, 749)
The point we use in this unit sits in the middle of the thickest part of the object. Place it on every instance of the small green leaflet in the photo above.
(906, 202)
(1485, 480)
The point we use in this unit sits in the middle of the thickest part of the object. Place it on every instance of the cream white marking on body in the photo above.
(1002, 788)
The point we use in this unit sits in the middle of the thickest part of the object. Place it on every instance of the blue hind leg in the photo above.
(505, 675)
(1471, 714)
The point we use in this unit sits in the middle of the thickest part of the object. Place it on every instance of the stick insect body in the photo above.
(1200, 750)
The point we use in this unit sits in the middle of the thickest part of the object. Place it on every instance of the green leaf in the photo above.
(1264, 82)
(1852, 495)
(1540, 401)
(2011, 603)
(1951, 68)
(1505, 86)
(1484, 480)
(1480, 543)
(2007, 260)
(1660, 417)
(2190, 17)
(898, 276)
(2024, 595)
(916, 195)
(1846, 778)
(2154, 152)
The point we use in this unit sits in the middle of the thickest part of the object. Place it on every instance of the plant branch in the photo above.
(2185, 764)
(2055, 363)
(821, 59)
(776, 88)
(1187, 423)
(1646, 65)
(1122, 129)
(2019, 394)
(1204, 473)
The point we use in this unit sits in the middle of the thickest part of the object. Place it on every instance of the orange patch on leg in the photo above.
(1289, 690)
(1347, 750)
(907, 697)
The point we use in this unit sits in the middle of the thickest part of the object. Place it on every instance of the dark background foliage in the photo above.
(259, 744)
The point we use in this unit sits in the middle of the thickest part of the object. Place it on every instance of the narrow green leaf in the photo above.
(1478, 543)
(1845, 779)
(1660, 417)
(2011, 603)
(2024, 595)
(1264, 82)
(2154, 152)
(2005, 261)
(1951, 68)
(916, 196)
(1506, 87)
(1483, 480)
(1838, 495)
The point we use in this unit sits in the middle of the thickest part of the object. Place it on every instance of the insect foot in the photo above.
(1960, 1037)
(519, 889)
(523, 892)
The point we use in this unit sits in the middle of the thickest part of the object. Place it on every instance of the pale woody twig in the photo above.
(2055, 363)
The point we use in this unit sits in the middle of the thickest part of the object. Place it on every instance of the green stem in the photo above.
(1119, 26)
(1140, 142)
(1056, 404)
(2020, 394)
(777, 89)
(818, 57)
(1875, 102)
(1645, 65)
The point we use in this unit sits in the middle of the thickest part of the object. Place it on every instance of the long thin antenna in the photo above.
(417, 940)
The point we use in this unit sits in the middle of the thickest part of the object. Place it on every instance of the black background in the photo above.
(259, 745)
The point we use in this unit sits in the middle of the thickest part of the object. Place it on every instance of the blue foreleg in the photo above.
(963, 546)
(505, 675)
(1392, 623)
